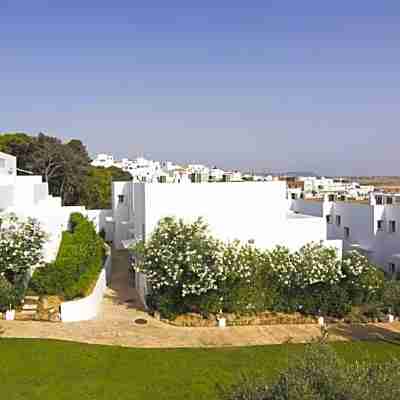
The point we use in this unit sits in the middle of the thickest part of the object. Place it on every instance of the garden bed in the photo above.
(266, 318)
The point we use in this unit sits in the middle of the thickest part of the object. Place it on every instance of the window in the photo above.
(331, 197)
(392, 268)
(328, 219)
(392, 226)
(379, 200)
(293, 196)
(338, 220)
(121, 198)
(381, 225)
(346, 232)
(389, 200)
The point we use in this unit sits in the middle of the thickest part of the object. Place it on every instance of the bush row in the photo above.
(188, 270)
(78, 263)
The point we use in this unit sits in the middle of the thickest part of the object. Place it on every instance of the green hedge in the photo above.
(78, 264)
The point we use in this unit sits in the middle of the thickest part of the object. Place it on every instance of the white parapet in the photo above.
(89, 307)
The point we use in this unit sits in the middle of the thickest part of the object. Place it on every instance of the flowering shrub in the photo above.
(188, 270)
(21, 244)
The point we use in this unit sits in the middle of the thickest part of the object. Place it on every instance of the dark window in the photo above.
(392, 226)
(338, 220)
(389, 200)
(293, 196)
(346, 232)
(328, 219)
(392, 268)
(379, 200)
(380, 225)
(331, 197)
(121, 198)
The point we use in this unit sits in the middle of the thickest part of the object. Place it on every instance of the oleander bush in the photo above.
(188, 270)
(78, 264)
(319, 374)
(21, 249)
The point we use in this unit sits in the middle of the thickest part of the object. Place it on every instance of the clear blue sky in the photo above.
(275, 85)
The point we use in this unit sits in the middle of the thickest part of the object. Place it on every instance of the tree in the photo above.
(97, 188)
(65, 167)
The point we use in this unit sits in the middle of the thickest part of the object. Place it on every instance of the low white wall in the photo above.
(88, 307)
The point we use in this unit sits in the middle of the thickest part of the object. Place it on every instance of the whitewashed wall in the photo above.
(122, 212)
(90, 306)
(245, 211)
(314, 208)
(99, 219)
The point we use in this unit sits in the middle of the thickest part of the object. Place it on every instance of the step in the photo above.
(29, 307)
(31, 298)
(27, 312)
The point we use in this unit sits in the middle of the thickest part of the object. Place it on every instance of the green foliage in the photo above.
(190, 271)
(319, 374)
(391, 296)
(65, 166)
(78, 264)
(8, 294)
(97, 193)
(21, 248)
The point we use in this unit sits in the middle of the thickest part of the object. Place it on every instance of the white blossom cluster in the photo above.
(21, 244)
(186, 258)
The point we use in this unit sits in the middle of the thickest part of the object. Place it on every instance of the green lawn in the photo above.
(33, 369)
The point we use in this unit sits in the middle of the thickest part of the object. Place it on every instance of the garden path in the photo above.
(121, 307)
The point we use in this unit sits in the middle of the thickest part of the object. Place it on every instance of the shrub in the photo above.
(8, 294)
(391, 296)
(320, 375)
(21, 246)
(190, 271)
(78, 263)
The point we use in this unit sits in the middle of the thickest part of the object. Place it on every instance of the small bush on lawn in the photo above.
(78, 264)
(190, 271)
(320, 375)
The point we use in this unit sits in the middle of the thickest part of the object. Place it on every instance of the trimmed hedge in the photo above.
(78, 264)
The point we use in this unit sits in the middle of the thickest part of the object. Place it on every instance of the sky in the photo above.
(267, 85)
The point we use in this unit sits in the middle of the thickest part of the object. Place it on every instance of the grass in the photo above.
(33, 369)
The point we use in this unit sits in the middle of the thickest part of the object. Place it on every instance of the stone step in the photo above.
(26, 315)
(30, 307)
(31, 298)
(27, 312)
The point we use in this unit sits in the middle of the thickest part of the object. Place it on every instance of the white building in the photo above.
(28, 196)
(372, 227)
(103, 160)
(256, 212)
(250, 212)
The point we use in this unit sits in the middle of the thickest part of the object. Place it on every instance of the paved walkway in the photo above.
(121, 306)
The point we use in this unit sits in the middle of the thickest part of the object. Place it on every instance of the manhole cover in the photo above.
(140, 321)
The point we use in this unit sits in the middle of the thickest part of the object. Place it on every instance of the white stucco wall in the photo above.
(362, 220)
(314, 208)
(245, 211)
(122, 212)
(89, 307)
